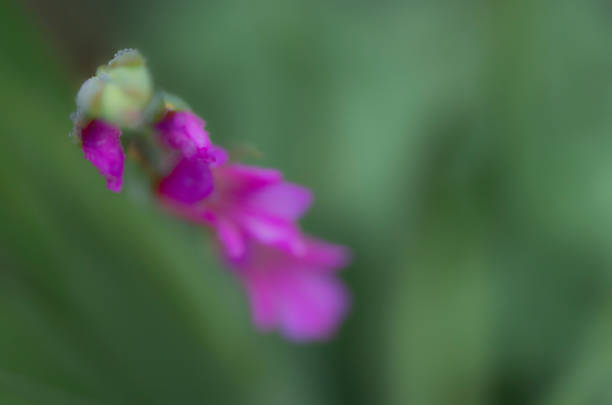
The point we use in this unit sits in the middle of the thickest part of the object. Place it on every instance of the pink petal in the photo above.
(313, 305)
(242, 180)
(304, 303)
(185, 131)
(324, 255)
(285, 200)
(269, 230)
(103, 148)
(263, 296)
(231, 238)
(190, 181)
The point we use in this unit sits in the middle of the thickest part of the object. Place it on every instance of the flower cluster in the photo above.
(290, 277)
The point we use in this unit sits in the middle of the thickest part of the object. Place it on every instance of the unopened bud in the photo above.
(119, 92)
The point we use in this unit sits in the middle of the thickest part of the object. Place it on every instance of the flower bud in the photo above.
(119, 92)
(103, 148)
(190, 182)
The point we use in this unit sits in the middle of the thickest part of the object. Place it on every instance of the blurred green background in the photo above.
(463, 150)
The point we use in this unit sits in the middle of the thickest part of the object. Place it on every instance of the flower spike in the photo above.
(290, 278)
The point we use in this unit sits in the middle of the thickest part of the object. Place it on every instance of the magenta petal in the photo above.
(274, 231)
(231, 238)
(313, 305)
(183, 130)
(245, 179)
(261, 205)
(103, 148)
(320, 254)
(189, 182)
(305, 302)
(285, 200)
(263, 296)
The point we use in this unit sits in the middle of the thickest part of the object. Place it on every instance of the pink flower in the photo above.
(184, 131)
(299, 295)
(103, 148)
(290, 278)
(248, 203)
